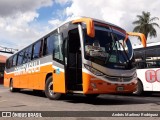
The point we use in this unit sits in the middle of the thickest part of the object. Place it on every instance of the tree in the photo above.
(146, 25)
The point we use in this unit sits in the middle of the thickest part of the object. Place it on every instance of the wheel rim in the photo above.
(50, 88)
(135, 92)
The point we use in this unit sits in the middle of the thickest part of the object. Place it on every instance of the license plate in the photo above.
(120, 88)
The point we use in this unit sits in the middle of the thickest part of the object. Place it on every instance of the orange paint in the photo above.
(103, 87)
(29, 80)
(59, 82)
(86, 82)
(141, 35)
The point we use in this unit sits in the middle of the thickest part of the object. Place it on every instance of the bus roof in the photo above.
(94, 19)
(140, 46)
(70, 20)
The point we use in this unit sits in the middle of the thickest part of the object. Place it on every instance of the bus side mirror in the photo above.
(141, 35)
(89, 24)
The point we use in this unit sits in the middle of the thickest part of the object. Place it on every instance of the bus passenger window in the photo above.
(20, 58)
(37, 50)
(52, 45)
(14, 60)
(29, 54)
(25, 55)
(57, 51)
(10, 62)
(49, 45)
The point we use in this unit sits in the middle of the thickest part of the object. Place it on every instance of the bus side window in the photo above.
(48, 46)
(37, 50)
(53, 45)
(57, 45)
(25, 55)
(45, 47)
(7, 64)
(20, 57)
(14, 63)
(10, 62)
(29, 53)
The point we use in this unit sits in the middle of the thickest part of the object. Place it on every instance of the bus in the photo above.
(148, 68)
(83, 55)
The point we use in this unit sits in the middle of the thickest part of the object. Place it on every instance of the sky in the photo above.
(25, 21)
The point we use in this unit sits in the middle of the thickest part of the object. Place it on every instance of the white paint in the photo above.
(148, 86)
(40, 65)
(28, 68)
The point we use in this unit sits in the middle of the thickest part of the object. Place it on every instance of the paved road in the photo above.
(31, 101)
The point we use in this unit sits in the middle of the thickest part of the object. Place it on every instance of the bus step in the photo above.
(78, 87)
(73, 91)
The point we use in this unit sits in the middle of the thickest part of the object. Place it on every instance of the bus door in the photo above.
(74, 62)
(58, 65)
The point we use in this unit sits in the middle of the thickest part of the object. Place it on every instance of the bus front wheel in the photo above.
(49, 90)
(139, 89)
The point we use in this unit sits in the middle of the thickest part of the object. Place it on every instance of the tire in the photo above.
(92, 96)
(49, 90)
(11, 88)
(139, 89)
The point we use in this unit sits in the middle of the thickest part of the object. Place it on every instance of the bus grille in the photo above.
(119, 79)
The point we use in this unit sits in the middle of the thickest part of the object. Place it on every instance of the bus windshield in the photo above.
(108, 48)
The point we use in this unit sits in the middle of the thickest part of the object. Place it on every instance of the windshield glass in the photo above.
(108, 48)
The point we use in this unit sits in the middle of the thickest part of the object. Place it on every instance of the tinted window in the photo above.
(25, 57)
(53, 45)
(7, 63)
(57, 45)
(20, 57)
(147, 58)
(49, 45)
(37, 50)
(29, 54)
(14, 60)
(10, 62)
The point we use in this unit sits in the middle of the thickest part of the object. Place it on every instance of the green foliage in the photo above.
(146, 25)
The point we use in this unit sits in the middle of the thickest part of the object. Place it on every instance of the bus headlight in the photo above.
(92, 70)
(135, 75)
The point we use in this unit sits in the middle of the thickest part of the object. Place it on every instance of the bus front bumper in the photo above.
(102, 87)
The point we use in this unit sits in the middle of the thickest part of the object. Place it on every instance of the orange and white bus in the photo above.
(83, 55)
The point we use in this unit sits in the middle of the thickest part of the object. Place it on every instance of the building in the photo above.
(2, 66)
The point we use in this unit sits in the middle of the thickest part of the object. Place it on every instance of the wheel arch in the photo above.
(139, 80)
(47, 76)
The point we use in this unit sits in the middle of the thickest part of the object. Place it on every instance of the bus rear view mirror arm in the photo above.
(89, 24)
(141, 35)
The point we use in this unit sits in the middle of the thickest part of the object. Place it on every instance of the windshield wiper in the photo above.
(124, 52)
(107, 59)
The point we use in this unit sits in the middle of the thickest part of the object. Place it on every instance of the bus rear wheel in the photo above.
(11, 88)
(49, 90)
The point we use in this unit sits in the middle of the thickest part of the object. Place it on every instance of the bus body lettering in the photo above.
(152, 76)
(32, 67)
